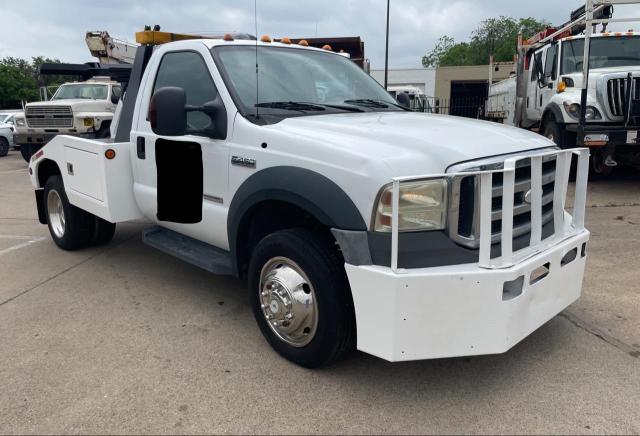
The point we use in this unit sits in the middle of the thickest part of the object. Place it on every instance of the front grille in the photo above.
(465, 202)
(49, 116)
(617, 90)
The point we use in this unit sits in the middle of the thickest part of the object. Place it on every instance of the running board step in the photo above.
(190, 250)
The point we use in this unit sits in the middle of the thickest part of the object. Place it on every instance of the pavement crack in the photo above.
(606, 337)
(82, 262)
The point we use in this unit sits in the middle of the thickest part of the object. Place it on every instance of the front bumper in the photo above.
(43, 139)
(462, 310)
(614, 135)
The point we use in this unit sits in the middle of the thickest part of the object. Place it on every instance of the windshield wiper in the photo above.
(291, 106)
(372, 103)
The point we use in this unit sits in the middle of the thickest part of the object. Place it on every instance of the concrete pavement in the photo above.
(125, 339)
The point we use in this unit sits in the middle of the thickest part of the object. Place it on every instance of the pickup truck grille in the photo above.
(497, 199)
(617, 94)
(49, 117)
(466, 189)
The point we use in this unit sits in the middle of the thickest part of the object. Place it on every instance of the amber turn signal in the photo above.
(110, 153)
(562, 87)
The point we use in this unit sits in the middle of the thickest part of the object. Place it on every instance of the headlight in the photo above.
(573, 109)
(20, 122)
(88, 122)
(423, 206)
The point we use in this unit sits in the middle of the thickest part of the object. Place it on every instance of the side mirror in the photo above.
(167, 112)
(539, 70)
(115, 98)
(404, 100)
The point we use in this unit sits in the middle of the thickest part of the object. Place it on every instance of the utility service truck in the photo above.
(354, 221)
(546, 92)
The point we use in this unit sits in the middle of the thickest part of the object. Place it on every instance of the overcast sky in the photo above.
(56, 28)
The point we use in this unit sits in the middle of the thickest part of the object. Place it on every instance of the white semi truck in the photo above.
(356, 223)
(546, 93)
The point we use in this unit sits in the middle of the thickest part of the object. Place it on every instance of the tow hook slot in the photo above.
(539, 273)
(569, 257)
(512, 289)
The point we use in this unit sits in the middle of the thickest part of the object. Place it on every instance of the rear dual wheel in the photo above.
(72, 228)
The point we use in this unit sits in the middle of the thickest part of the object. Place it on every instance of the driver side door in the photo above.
(181, 181)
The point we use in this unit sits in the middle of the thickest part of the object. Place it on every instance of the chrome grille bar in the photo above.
(565, 225)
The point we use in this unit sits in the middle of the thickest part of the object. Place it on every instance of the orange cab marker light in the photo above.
(327, 47)
(265, 38)
(110, 153)
(285, 40)
(227, 37)
(303, 42)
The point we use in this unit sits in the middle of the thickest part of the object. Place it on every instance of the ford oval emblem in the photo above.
(527, 197)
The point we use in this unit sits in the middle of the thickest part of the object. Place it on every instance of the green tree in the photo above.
(495, 36)
(20, 80)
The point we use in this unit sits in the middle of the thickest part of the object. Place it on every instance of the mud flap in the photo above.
(180, 181)
(42, 215)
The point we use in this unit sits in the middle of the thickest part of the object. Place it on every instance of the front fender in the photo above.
(312, 192)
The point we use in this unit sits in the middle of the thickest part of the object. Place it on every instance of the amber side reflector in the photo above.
(303, 42)
(327, 47)
(265, 38)
(110, 153)
(227, 37)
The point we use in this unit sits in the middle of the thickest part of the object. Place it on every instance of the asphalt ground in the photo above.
(126, 339)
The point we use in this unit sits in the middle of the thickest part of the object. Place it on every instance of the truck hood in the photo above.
(595, 73)
(413, 143)
(79, 105)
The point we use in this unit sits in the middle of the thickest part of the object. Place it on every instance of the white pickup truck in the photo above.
(80, 108)
(356, 222)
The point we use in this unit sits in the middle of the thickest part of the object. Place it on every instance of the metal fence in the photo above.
(469, 107)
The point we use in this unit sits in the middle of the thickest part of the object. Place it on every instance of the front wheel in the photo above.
(28, 150)
(552, 131)
(301, 298)
(4, 147)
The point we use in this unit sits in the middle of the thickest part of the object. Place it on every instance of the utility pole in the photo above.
(386, 53)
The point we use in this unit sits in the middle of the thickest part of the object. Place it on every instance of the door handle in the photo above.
(140, 148)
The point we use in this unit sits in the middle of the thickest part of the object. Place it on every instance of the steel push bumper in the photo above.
(485, 307)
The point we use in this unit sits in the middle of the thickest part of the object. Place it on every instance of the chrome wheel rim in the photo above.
(288, 301)
(55, 213)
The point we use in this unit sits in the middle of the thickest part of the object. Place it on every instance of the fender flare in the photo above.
(312, 192)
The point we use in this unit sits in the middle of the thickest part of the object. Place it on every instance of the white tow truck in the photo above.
(546, 92)
(356, 222)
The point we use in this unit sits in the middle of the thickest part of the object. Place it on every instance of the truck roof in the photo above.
(602, 35)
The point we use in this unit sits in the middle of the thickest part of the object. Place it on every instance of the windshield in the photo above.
(299, 82)
(4, 118)
(605, 53)
(91, 92)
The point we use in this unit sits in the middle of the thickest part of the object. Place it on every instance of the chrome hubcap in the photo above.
(55, 213)
(288, 301)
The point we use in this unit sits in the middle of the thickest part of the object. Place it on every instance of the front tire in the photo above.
(552, 131)
(300, 297)
(4, 147)
(27, 150)
(70, 227)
